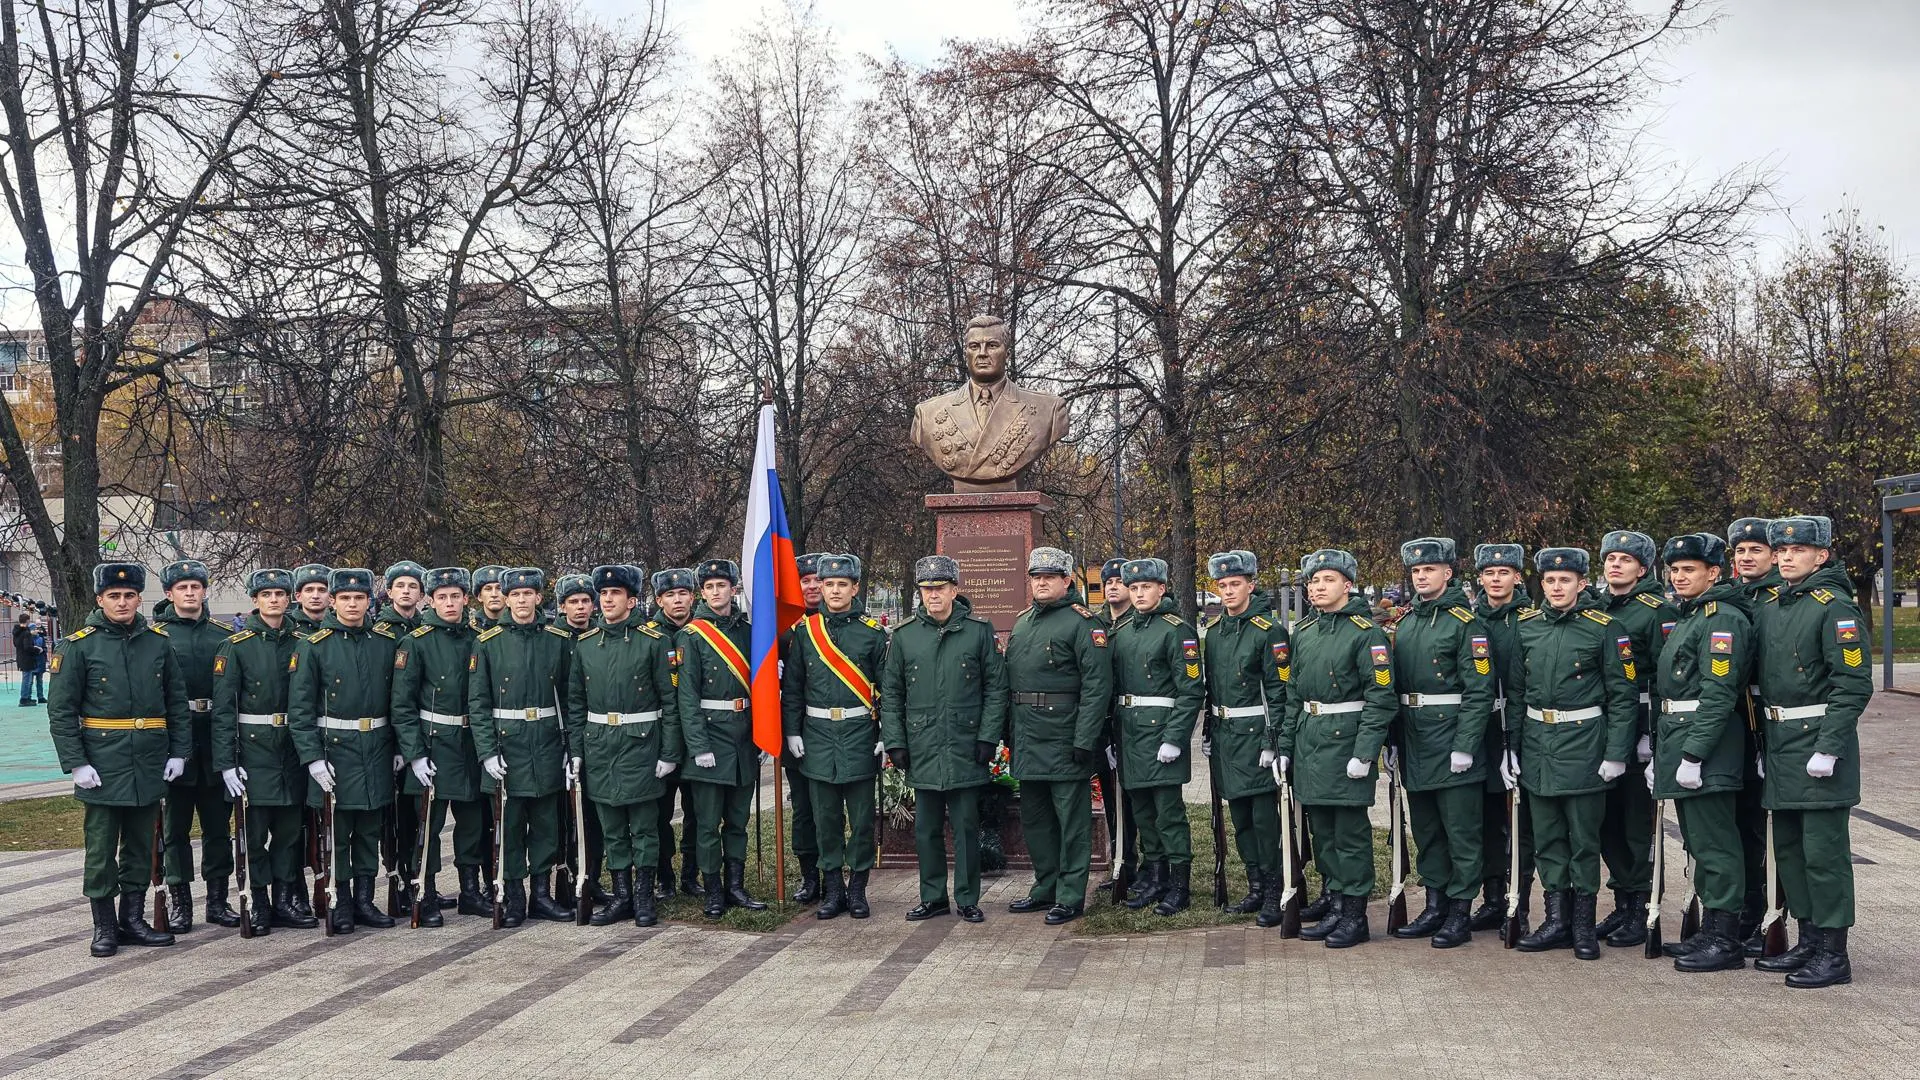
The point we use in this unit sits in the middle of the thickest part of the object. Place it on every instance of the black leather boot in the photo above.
(1330, 919)
(1428, 921)
(833, 898)
(106, 934)
(619, 907)
(1352, 928)
(1632, 930)
(737, 895)
(472, 900)
(340, 917)
(132, 927)
(1586, 936)
(1457, 929)
(690, 877)
(1717, 947)
(219, 912)
(430, 916)
(179, 908)
(643, 909)
(365, 911)
(299, 901)
(515, 894)
(260, 915)
(543, 905)
(1795, 958)
(1556, 930)
(1493, 906)
(715, 895)
(1256, 895)
(1150, 887)
(663, 888)
(1179, 894)
(809, 889)
(1827, 967)
(1622, 899)
(1319, 909)
(285, 914)
(857, 894)
(1271, 889)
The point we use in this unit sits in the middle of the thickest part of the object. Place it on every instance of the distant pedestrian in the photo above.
(30, 654)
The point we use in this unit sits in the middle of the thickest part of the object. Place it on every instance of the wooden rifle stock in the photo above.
(159, 875)
(414, 890)
(240, 862)
(1293, 878)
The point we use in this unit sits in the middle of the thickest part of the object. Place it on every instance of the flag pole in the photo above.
(779, 801)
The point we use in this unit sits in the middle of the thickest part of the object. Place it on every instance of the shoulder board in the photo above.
(556, 631)
(235, 639)
(875, 623)
(975, 618)
(1773, 592)
(1600, 617)
(645, 628)
(1259, 622)
(1085, 612)
(1172, 618)
(80, 633)
(1822, 595)
(592, 630)
(1460, 613)
(385, 630)
(162, 631)
(490, 633)
(1713, 606)
(1648, 599)
(320, 634)
(1361, 621)
(421, 631)
(1527, 613)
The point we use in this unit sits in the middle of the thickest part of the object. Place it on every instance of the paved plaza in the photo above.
(1009, 998)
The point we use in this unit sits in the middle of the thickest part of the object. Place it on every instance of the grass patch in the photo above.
(759, 881)
(42, 824)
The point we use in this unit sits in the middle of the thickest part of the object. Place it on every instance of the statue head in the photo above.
(989, 348)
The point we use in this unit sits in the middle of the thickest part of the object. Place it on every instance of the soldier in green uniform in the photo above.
(405, 582)
(805, 830)
(579, 611)
(1752, 559)
(673, 608)
(1340, 705)
(489, 601)
(623, 721)
(1577, 677)
(516, 681)
(716, 723)
(1060, 685)
(337, 702)
(828, 721)
(117, 711)
(311, 598)
(1158, 695)
(1443, 671)
(943, 710)
(575, 596)
(1123, 839)
(1814, 679)
(198, 792)
(1247, 661)
(1637, 603)
(254, 752)
(435, 735)
(1700, 748)
(1503, 596)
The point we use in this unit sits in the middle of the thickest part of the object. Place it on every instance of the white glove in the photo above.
(796, 746)
(1688, 774)
(1113, 757)
(879, 747)
(705, 761)
(1267, 758)
(1644, 748)
(423, 770)
(1612, 770)
(1760, 765)
(1356, 769)
(1206, 748)
(662, 768)
(1510, 770)
(322, 774)
(177, 767)
(572, 772)
(399, 762)
(86, 776)
(1820, 766)
(1649, 771)
(1393, 759)
(496, 767)
(1459, 762)
(1168, 753)
(236, 781)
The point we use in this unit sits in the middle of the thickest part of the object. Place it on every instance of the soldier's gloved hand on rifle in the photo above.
(1644, 749)
(177, 767)
(322, 774)
(1510, 770)
(86, 776)
(1083, 759)
(399, 762)
(496, 767)
(1688, 774)
(1819, 766)
(1459, 762)
(899, 757)
(1612, 770)
(1206, 746)
(706, 760)
(1760, 765)
(662, 769)
(1393, 759)
(1267, 758)
(423, 770)
(1113, 757)
(573, 772)
(1356, 769)
(1649, 772)
(879, 748)
(983, 752)
(1168, 753)
(236, 781)
(796, 746)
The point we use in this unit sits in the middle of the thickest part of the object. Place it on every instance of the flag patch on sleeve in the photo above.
(1379, 656)
(1846, 630)
(1721, 641)
(1099, 638)
(1625, 645)
(1666, 628)
(1190, 649)
(1480, 647)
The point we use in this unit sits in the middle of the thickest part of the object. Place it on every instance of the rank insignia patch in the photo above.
(1483, 667)
(293, 662)
(1721, 668)
(1193, 671)
(53, 666)
(473, 661)
(1190, 649)
(1480, 647)
(1852, 657)
(1379, 656)
(400, 660)
(1099, 638)
(1846, 630)
(1721, 641)
(1383, 677)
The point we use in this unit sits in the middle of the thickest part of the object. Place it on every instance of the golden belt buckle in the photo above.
(139, 723)
(836, 713)
(279, 719)
(1313, 708)
(366, 723)
(739, 704)
(613, 719)
(533, 713)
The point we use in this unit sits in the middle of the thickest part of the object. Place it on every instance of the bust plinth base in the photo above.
(990, 534)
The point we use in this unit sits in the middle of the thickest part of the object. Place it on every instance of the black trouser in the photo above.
(689, 824)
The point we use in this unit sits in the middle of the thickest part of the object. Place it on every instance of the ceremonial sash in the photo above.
(724, 647)
(842, 665)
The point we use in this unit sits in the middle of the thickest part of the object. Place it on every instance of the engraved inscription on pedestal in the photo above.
(994, 571)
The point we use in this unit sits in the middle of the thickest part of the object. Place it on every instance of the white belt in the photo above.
(447, 719)
(1236, 712)
(278, 719)
(1671, 707)
(614, 719)
(738, 704)
(1795, 712)
(529, 715)
(364, 723)
(1565, 716)
(852, 712)
(1420, 701)
(200, 704)
(1142, 701)
(1646, 699)
(1327, 708)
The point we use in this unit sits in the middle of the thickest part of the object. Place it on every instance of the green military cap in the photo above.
(1340, 562)
(617, 576)
(448, 577)
(570, 584)
(809, 564)
(677, 577)
(1809, 529)
(1637, 544)
(524, 577)
(1113, 568)
(1144, 570)
(718, 568)
(308, 573)
(936, 570)
(1563, 558)
(351, 579)
(1230, 563)
(1429, 551)
(488, 575)
(1747, 529)
(185, 570)
(1701, 546)
(1508, 555)
(405, 568)
(1049, 560)
(269, 578)
(840, 566)
(119, 575)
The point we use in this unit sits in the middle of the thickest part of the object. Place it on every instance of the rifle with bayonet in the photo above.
(415, 893)
(159, 874)
(499, 859)
(324, 899)
(1396, 826)
(1773, 926)
(390, 852)
(240, 862)
(1219, 822)
(1292, 876)
(583, 889)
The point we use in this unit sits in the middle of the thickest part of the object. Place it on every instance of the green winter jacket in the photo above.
(1246, 661)
(1647, 618)
(345, 673)
(1503, 723)
(623, 716)
(1156, 654)
(1339, 658)
(107, 671)
(943, 688)
(514, 700)
(430, 676)
(1058, 649)
(727, 734)
(250, 678)
(838, 751)
(1813, 652)
(1441, 647)
(1571, 660)
(1704, 664)
(194, 642)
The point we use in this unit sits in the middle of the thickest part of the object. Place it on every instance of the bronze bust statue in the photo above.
(987, 432)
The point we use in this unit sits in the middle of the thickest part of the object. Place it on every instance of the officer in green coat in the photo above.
(1247, 661)
(1814, 679)
(489, 601)
(1753, 570)
(1578, 677)
(1158, 695)
(673, 599)
(804, 829)
(828, 718)
(1443, 671)
(1500, 575)
(337, 707)
(1700, 748)
(311, 597)
(117, 711)
(624, 724)
(254, 752)
(198, 792)
(716, 721)
(1340, 706)
(1637, 602)
(1060, 684)
(435, 735)
(943, 711)
(515, 690)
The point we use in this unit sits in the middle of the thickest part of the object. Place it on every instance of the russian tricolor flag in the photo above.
(772, 585)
